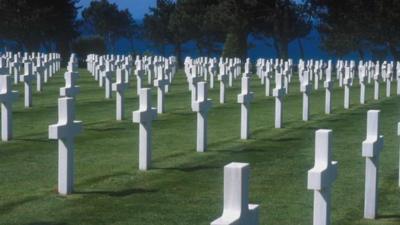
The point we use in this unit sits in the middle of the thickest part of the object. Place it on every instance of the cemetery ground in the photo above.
(184, 187)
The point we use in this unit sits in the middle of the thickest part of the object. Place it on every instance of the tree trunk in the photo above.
(282, 48)
(301, 48)
(361, 54)
(235, 45)
(178, 53)
(393, 50)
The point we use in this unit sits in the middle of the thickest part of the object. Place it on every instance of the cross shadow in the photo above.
(120, 193)
(189, 169)
(11, 205)
(46, 223)
(32, 140)
(391, 217)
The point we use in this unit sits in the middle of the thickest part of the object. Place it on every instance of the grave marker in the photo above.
(371, 148)
(321, 177)
(144, 116)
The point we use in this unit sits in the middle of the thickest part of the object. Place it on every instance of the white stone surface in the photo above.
(363, 81)
(70, 89)
(237, 210)
(7, 97)
(161, 84)
(371, 148)
(223, 80)
(65, 131)
(305, 88)
(107, 75)
(202, 105)
(321, 177)
(347, 83)
(139, 72)
(27, 78)
(328, 85)
(144, 116)
(244, 99)
(120, 87)
(398, 134)
(278, 93)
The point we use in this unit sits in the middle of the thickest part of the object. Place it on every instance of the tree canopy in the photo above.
(109, 22)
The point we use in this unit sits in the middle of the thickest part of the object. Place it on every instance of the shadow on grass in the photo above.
(189, 169)
(390, 217)
(11, 205)
(46, 223)
(33, 140)
(120, 193)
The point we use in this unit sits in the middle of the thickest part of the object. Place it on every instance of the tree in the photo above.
(156, 24)
(34, 25)
(83, 46)
(235, 19)
(109, 22)
(344, 25)
(286, 21)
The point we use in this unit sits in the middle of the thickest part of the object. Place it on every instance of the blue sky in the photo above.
(137, 7)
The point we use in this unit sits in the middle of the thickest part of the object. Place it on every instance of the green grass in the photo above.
(185, 187)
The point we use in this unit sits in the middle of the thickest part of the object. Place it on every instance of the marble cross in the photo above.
(223, 80)
(202, 105)
(305, 88)
(120, 87)
(65, 131)
(139, 72)
(347, 83)
(278, 93)
(328, 85)
(398, 134)
(70, 89)
(376, 82)
(27, 79)
(237, 209)
(371, 148)
(7, 97)
(363, 81)
(244, 99)
(39, 74)
(161, 84)
(107, 75)
(321, 177)
(144, 117)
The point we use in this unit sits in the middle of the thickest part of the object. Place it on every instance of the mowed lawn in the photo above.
(185, 187)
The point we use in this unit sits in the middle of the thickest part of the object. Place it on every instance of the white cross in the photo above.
(347, 83)
(107, 75)
(39, 74)
(193, 79)
(363, 80)
(237, 209)
(27, 79)
(371, 148)
(120, 87)
(321, 177)
(305, 88)
(70, 89)
(65, 131)
(139, 72)
(223, 79)
(7, 97)
(398, 134)
(278, 92)
(244, 98)
(144, 116)
(160, 83)
(202, 105)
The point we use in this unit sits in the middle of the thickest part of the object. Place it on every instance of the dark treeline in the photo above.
(367, 27)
